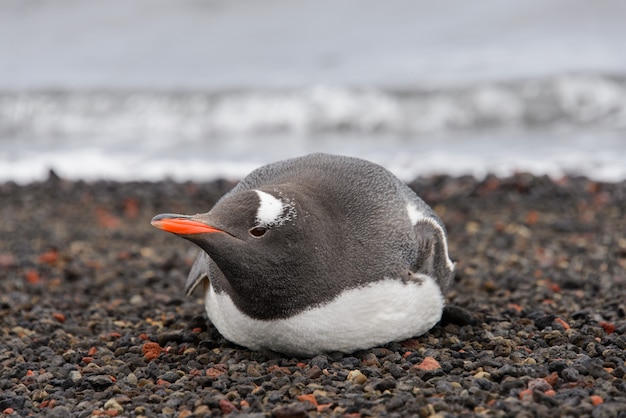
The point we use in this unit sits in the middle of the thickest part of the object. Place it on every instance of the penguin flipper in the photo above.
(433, 258)
(199, 272)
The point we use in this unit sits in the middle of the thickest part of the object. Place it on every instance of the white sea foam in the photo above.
(599, 156)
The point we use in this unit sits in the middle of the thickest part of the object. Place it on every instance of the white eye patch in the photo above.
(273, 211)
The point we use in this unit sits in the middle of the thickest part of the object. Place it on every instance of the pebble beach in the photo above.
(94, 320)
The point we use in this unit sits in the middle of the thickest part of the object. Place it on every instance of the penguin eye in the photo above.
(258, 231)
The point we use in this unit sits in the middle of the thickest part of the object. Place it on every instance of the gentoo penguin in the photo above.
(316, 254)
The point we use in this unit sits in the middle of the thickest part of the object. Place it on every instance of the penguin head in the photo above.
(257, 238)
(248, 220)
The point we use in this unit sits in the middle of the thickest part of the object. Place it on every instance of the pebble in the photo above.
(320, 361)
(136, 300)
(75, 376)
(314, 372)
(533, 324)
(429, 363)
(355, 376)
(98, 382)
(113, 404)
(539, 384)
(131, 379)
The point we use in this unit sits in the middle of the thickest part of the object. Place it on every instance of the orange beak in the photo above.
(181, 224)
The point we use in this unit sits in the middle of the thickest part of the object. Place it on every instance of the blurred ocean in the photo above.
(194, 90)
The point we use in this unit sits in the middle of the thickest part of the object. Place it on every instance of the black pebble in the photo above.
(11, 401)
(320, 361)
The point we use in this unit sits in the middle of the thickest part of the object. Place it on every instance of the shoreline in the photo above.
(94, 318)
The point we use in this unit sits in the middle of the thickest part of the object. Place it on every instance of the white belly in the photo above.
(389, 310)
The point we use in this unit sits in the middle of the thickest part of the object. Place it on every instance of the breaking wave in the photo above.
(565, 101)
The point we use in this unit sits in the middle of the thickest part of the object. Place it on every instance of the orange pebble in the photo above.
(308, 398)
(607, 327)
(429, 363)
(151, 350)
(214, 373)
(552, 378)
(59, 317)
(49, 257)
(32, 276)
(562, 323)
(526, 394)
(596, 400)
